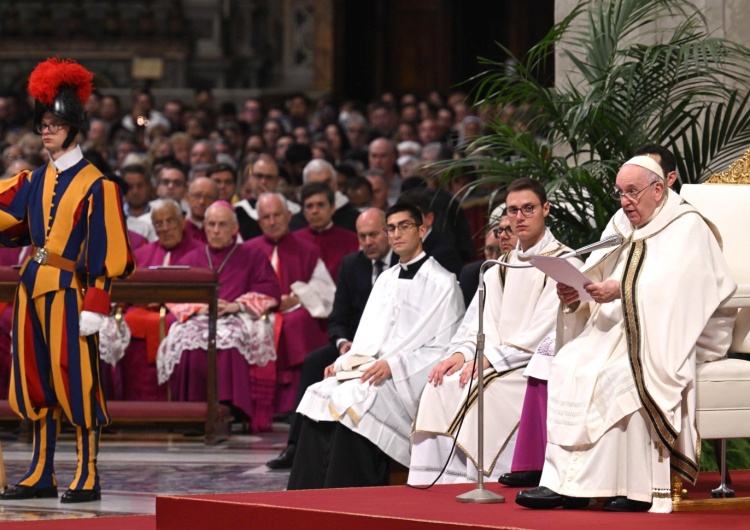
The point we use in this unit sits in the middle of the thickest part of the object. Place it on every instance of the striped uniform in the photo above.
(70, 209)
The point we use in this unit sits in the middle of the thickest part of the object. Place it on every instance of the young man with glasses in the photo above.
(520, 310)
(360, 416)
(72, 216)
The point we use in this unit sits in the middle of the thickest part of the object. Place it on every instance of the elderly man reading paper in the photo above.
(621, 409)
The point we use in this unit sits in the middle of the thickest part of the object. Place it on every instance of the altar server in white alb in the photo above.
(621, 409)
(352, 426)
(520, 310)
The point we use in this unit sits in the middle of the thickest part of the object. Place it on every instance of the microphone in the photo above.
(615, 240)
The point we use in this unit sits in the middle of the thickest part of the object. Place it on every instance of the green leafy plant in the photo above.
(646, 71)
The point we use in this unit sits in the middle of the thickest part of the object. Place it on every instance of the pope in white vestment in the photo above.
(621, 409)
(520, 310)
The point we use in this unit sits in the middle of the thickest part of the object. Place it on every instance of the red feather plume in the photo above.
(51, 75)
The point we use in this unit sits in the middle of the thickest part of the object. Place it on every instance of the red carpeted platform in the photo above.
(404, 508)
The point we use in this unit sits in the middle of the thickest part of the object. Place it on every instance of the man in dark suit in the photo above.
(357, 273)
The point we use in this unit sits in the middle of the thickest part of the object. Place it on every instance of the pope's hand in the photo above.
(89, 323)
(603, 292)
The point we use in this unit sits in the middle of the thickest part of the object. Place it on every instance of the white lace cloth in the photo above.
(113, 341)
(253, 339)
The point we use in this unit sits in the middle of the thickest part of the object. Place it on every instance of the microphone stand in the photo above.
(480, 495)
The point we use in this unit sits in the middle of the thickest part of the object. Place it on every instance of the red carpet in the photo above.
(401, 507)
(130, 522)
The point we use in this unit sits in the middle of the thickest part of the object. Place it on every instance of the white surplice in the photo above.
(520, 310)
(622, 384)
(408, 323)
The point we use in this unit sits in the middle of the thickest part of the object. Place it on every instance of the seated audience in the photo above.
(244, 339)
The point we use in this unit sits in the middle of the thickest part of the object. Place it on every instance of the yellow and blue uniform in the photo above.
(69, 209)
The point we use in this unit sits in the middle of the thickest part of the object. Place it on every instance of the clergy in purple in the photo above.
(244, 341)
(307, 292)
(137, 368)
(332, 241)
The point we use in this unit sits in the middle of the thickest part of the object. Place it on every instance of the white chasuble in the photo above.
(636, 356)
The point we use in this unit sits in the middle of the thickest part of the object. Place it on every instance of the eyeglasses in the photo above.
(630, 195)
(53, 127)
(402, 227)
(527, 210)
(499, 231)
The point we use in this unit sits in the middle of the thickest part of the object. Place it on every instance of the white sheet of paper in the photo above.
(562, 271)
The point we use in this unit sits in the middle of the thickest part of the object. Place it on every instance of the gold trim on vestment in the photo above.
(518, 347)
(494, 460)
(629, 293)
(471, 399)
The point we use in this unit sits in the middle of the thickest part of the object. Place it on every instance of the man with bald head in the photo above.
(307, 292)
(147, 325)
(244, 343)
(202, 192)
(617, 424)
(382, 155)
(357, 273)
(322, 172)
(262, 177)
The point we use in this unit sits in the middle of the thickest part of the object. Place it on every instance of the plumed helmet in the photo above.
(61, 87)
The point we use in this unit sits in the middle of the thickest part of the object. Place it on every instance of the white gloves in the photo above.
(90, 323)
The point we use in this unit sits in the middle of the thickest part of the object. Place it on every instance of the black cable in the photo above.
(463, 415)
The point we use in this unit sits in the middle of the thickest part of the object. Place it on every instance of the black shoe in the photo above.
(285, 458)
(19, 493)
(521, 479)
(72, 496)
(623, 504)
(542, 498)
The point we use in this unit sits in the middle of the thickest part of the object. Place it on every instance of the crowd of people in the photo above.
(348, 297)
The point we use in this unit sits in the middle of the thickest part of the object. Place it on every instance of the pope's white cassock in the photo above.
(520, 310)
(408, 323)
(621, 406)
